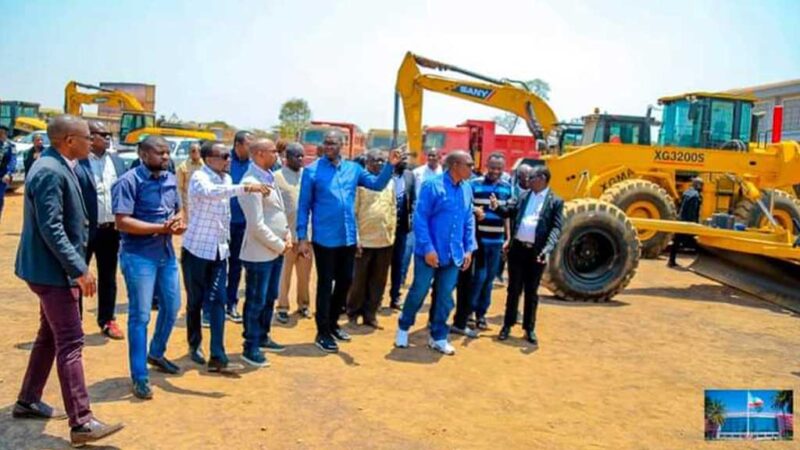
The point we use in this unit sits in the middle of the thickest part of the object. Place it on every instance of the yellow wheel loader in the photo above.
(622, 198)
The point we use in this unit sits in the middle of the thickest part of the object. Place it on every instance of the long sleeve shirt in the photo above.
(377, 216)
(238, 168)
(443, 220)
(209, 225)
(328, 194)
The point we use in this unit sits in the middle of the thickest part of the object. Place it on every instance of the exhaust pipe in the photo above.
(777, 123)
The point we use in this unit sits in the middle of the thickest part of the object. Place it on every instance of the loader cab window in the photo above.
(434, 139)
(745, 122)
(721, 122)
(681, 125)
(134, 121)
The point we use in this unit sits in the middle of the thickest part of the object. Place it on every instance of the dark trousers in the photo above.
(261, 282)
(334, 276)
(204, 281)
(680, 241)
(524, 273)
(105, 246)
(398, 252)
(235, 264)
(366, 293)
(3, 187)
(463, 297)
(60, 337)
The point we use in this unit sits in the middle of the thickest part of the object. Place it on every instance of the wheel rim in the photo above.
(591, 255)
(644, 210)
(784, 219)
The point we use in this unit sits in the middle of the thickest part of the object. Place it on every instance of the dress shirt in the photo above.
(209, 224)
(530, 219)
(424, 173)
(376, 212)
(150, 198)
(444, 221)
(105, 175)
(328, 193)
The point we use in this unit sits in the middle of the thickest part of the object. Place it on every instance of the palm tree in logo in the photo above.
(784, 401)
(715, 415)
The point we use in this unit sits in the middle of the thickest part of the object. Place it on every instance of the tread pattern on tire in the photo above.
(619, 192)
(576, 212)
(747, 211)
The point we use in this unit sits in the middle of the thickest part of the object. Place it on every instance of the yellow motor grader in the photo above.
(622, 198)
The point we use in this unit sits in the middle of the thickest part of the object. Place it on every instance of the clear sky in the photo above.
(239, 60)
(736, 400)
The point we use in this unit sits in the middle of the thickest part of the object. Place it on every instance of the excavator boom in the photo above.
(73, 98)
(505, 95)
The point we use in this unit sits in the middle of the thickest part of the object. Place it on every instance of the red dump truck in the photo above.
(311, 138)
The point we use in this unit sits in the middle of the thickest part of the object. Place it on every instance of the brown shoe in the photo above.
(112, 331)
(91, 431)
(373, 323)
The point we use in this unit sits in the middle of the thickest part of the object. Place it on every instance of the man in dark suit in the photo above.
(535, 229)
(51, 259)
(98, 172)
(405, 191)
(691, 200)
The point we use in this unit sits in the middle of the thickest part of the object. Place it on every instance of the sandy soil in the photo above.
(627, 374)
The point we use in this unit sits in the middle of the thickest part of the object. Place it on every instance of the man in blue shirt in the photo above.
(8, 163)
(146, 205)
(444, 229)
(328, 192)
(240, 162)
(489, 192)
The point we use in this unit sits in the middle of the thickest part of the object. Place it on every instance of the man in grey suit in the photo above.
(51, 259)
(266, 239)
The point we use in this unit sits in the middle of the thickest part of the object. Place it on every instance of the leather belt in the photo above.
(105, 226)
(524, 244)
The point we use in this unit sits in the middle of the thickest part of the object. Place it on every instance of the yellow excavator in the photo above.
(21, 117)
(135, 122)
(622, 198)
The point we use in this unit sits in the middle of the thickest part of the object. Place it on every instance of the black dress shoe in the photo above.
(91, 431)
(530, 336)
(327, 344)
(341, 335)
(504, 332)
(197, 356)
(37, 410)
(164, 365)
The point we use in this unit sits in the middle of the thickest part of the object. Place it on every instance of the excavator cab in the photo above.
(134, 121)
(20, 117)
(710, 121)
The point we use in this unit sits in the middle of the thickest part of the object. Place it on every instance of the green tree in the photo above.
(783, 400)
(715, 413)
(295, 115)
(509, 121)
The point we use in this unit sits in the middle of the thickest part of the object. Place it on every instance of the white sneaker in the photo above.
(442, 346)
(401, 340)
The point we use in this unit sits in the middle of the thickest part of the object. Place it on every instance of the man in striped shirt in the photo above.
(489, 192)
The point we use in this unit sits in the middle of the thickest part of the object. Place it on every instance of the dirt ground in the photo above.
(626, 374)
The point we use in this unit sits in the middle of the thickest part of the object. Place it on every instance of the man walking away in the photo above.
(376, 213)
(55, 231)
(102, 169)
(146, 205)
(287, 180)
(691, 200)
(536, 227)
(328, 194)
(444, 228)
(266, 239)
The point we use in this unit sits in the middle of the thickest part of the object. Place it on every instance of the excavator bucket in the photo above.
(771, 279)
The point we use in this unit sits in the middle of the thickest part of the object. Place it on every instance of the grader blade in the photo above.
(774, 280)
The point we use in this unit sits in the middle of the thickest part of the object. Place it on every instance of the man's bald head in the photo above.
(263, 153)
(459, 164)
(70, 136)
(96, 126)
(259, 144)
(101, 137)
(154, 153)
(455, 157)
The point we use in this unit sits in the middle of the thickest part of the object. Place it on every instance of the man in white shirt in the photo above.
(205, 251)
(101, 170)
(536, 227)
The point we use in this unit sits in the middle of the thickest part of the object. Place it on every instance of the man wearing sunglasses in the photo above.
(98, 173)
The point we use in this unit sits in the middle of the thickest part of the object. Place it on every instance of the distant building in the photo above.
(786, 93)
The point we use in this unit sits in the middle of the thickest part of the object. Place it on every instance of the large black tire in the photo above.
(785, 209)
(597, 254)
(647, 200)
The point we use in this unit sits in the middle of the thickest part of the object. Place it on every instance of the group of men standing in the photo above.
(236, 211)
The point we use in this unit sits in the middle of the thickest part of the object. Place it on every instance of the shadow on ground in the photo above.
(24, 434)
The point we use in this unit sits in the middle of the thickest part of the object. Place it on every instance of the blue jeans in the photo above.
(142, 277)
(261, 290)
(235, 264)
(445, 277)
(487, 263)
(3, 188)
(204, 281)
(407, 257)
